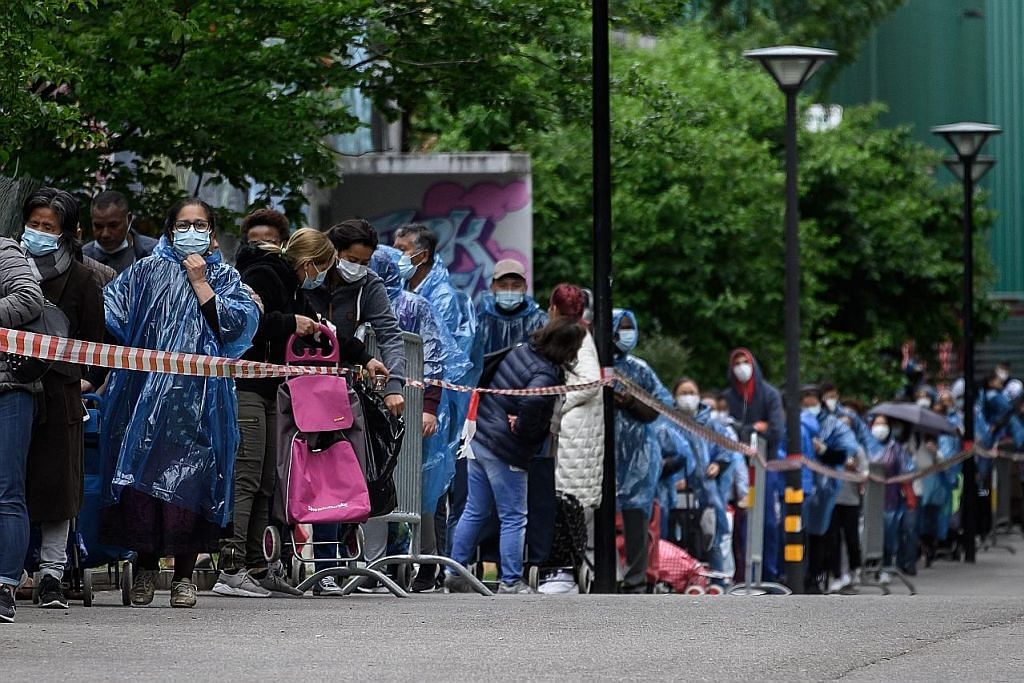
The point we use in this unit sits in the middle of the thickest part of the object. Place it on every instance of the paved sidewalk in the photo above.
(967, 623)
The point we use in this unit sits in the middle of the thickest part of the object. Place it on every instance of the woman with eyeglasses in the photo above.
(169, 441)
(55, 475)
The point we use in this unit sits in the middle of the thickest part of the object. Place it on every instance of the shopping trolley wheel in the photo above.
(271, 544)
(127, 579)
(86, 588)
(694, 590)
(715, 589)
(533, 577)
(403, 576)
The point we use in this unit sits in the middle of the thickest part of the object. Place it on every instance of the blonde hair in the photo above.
(305, 246)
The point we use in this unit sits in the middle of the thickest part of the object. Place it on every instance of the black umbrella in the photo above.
(922, 419)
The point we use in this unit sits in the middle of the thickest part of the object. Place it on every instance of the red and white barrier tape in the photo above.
(50, 348)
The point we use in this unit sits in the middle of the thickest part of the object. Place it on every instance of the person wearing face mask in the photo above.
(506, 314)
(279, 276)
(709, 474)
(352, 295)
(637, 450)
(168, 442)
(893, 436)
(827, 440)
(941, 494)
(117, 244)
(55, 474)
(442, 360)
(831, 404)
(755, 405)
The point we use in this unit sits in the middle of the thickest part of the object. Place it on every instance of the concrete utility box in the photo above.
(479, 204)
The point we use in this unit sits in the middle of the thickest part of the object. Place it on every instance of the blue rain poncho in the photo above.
(637, 453)
(442, 359)
(821, 491)
(497, 330)
(696, 454)
(174, 437)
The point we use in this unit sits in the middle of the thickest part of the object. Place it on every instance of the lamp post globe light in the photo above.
(967, 139)
(791, 67)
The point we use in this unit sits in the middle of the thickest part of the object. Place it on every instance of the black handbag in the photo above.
(51, 321)
(384, 433)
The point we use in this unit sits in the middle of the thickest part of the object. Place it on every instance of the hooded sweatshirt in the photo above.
(754, 401)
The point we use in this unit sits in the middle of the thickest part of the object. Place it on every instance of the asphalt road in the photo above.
(967, 622)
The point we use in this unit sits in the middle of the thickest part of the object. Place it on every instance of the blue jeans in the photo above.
(16, 412)
(893, 525)
(494, 484)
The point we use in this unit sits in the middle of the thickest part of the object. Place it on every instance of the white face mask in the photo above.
(880, 432)
(924, 402)
(351, 272)
(743, 372)
(814, 410)
(688, 403)
(832, 404)
(1002, 374)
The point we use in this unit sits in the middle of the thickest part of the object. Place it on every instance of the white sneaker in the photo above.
(239, 585)
(561, 582)
(884, 578)
(835, 585)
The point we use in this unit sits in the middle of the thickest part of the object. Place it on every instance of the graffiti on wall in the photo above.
(467, 223)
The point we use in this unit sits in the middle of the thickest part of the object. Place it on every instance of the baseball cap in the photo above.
(508, 266)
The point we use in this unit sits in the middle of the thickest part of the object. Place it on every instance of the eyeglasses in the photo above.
(185, 226)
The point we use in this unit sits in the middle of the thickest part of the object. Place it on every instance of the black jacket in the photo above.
(522, 368)
(275, 282)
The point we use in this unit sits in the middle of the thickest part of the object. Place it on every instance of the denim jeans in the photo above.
(893, 524)
(16, 412)
(494, 484)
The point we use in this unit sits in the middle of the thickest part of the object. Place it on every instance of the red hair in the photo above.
(568, 301)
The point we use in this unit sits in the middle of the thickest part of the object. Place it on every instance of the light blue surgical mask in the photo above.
(509, 300)
(191, 241)
(351, 272)
(626, 340)
(39, 243)
(314, 282)
(405, 267)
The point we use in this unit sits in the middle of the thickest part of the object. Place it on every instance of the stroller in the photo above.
(320, 467)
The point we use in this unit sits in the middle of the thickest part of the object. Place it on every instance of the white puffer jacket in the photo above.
(581, 432)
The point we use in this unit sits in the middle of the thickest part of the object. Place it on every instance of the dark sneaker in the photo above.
(274, 582)
(426, 579)
(144, 587)
(51, 596)
(183, 594)
(327, 586)
(6, 604)
(454, 583)
(519, 587)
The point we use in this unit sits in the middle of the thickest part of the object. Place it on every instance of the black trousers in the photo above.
(845, 527)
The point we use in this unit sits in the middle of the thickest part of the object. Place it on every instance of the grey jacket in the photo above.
(366, 301)
(21, 301)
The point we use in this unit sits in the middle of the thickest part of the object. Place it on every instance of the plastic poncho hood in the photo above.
(497, 329)
(174, 437)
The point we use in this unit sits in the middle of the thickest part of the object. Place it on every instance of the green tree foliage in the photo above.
(697, 199)
(33, 79)
(248, 92)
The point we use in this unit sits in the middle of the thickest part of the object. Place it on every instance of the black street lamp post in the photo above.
(967, 139)
(792, 67)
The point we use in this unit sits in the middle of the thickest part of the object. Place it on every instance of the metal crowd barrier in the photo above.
(873, 538)
(409, 475)
(753, 585)
(1002, 491)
